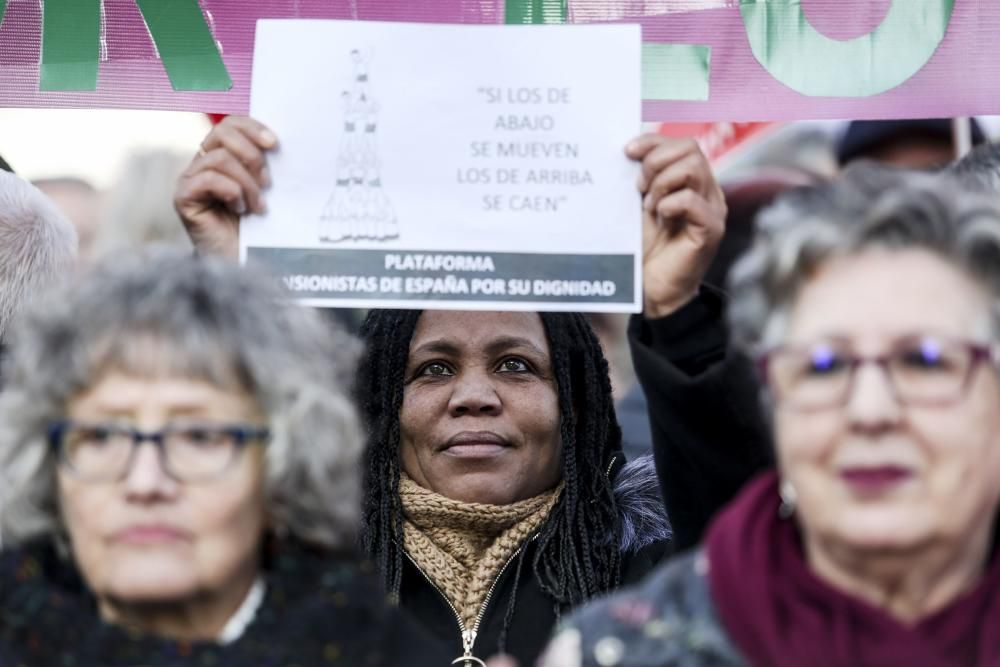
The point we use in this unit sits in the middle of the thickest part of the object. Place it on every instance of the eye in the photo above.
(91, 435)
(513, 365)
(825, 361)
(435, 369)
(201, 436)
(926, 355)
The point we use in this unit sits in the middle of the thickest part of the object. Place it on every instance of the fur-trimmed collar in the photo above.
(640, 502)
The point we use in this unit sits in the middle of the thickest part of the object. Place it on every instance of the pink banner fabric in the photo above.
(959, 79)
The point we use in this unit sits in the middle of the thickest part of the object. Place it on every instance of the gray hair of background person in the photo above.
(161, 313)
(139, 207)
(980, 169)
(37, 245)
(868, 207)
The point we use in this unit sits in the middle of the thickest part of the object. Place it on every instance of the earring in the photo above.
(789, 500)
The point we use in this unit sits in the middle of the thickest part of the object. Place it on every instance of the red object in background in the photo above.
(720, 141)
(216, 118)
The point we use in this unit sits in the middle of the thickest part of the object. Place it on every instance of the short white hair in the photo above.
(37, 245)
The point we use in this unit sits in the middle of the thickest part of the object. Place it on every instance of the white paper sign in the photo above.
(450, 166)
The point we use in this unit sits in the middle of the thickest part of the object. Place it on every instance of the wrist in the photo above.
(655, 309)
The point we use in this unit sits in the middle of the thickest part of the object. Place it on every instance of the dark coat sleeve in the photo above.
(709, 432)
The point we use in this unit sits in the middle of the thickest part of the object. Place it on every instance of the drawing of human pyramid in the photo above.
(359, 207)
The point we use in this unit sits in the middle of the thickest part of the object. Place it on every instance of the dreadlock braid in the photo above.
(577, 555)
(380, 395)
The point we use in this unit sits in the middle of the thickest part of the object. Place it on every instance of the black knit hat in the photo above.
(864, 136)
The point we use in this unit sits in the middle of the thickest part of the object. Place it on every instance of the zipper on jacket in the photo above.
(469, 636)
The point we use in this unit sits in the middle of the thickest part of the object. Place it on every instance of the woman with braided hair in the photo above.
(490, 468)
(496, 496)
(496, 493)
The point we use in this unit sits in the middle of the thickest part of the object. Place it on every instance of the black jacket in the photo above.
(534, 616)
(710, 435)
(318, 609)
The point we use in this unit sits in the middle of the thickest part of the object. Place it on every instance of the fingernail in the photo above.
(632, 147)
(647, 202)
(241, 207)
(641, 183)
(268, 138)
(265, 177)
(261, 206)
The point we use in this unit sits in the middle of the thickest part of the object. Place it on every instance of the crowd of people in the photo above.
(196, 471)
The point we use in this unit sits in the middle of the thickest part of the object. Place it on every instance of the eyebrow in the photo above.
(508, 342)
(115, 409)
(449, 348)
(439, 346)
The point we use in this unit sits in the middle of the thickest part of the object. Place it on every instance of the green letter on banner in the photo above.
(535, 11)
(185, 44)
(797, 55)
(71, 42)
(675, 71)
(71, 31)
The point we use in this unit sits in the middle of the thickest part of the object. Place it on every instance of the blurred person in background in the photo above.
(980, 169)
(138, 208)
(803, 158)
(81, 203)
(871, 305)
(37, 246)
(180, 464)
(922, 143)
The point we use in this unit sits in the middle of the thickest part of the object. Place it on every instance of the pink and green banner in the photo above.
(703, 60)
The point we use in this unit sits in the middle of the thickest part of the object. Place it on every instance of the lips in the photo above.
(475, 444)
(150, 534)
(873, 480)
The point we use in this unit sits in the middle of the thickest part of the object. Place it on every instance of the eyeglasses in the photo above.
(922, 370)
(105, 452)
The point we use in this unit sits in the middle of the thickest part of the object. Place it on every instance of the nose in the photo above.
(473, 393)
(872, 406)
(146, 478)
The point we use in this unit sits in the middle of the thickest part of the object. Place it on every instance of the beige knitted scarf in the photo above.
(463, 546)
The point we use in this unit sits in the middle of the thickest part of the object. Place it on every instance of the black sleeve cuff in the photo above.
(693, 338)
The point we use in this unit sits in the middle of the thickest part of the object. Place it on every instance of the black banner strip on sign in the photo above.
(422, 275)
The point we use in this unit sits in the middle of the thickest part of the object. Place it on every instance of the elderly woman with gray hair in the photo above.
(181, 479)
(871, 306)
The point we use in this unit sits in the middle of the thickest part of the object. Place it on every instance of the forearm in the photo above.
(709, 433)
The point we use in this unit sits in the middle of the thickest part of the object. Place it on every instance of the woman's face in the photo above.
(149, 538)
(876, 474)
(480, 415)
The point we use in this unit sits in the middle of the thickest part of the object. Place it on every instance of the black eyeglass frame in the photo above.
(242, 436)
(979, 353)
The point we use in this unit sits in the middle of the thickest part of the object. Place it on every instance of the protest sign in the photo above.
(703, 60)
(403, 180)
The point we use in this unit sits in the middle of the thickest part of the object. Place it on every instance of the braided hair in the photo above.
(578, 554)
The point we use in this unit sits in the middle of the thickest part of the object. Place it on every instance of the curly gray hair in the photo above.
(868, 206)
(37, 246)
(164, 313)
